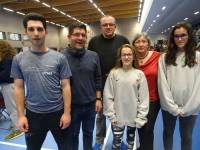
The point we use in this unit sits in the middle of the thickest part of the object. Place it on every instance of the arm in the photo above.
(143, 102)
(98, 105)
(20, 102)
(108, 99)
(66, 91)
(193, 104)
(98, 83)
(166, 98)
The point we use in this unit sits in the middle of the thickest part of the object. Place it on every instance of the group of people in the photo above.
(127, 83)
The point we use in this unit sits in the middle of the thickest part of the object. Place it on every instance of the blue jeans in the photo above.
(84, 114)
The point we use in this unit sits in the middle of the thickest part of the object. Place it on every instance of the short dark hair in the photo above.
(35, 17)
(75, 25)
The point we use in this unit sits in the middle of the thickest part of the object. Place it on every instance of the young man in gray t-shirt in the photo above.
(45, 73)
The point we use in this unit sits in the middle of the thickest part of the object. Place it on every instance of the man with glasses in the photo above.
(106, 45)
(86, 87)
(45, 73)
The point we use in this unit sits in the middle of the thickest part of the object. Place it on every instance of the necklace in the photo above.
(143, 57)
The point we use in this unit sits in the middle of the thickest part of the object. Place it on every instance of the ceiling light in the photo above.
(20, 13)
(37, 1)
(197, 12)
(151, 25)
(186, 19)
(154, 20)
(157, 15)
(45, 4)
(62, 13)
(164, 7)
(8, 9)
(55, 9)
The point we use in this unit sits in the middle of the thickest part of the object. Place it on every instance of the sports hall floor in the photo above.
(49, 144)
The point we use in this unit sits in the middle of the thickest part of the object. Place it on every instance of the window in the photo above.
(14, 36)
(2, 35)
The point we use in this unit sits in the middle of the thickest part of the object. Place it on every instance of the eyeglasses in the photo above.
(127, 55)
(79, 34)
(32, 29)
(180, 36)
(108, 24)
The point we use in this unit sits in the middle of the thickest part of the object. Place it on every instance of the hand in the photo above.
(65, 120)
(23, 124)
(98, 106)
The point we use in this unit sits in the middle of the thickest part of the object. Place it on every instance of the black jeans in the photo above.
(81, 115)
(39, 125)
(186, 126)
(146, 133)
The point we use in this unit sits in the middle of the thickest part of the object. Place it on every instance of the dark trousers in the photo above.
(118, 135)
(39, 125)
(146, 133)
(186, 126)
(85, 115)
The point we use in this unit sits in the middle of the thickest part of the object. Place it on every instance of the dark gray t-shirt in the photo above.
(42, 73)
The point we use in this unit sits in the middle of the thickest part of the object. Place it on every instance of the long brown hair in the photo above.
(119, 61)
(6, 50)
(172, 51)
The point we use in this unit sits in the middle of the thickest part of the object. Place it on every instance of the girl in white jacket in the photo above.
(179, 86)
(126, 97)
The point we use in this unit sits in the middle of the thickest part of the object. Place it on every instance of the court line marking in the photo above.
(107, 135)
(19, 145)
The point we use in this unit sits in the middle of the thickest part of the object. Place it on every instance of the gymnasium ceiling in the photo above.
(83, 10)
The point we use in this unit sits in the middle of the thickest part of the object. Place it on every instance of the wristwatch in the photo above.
(99, 98)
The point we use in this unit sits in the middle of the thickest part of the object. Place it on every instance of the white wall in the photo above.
(126, 27)
(11, 22)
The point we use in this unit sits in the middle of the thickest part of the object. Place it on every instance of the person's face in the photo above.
(78, 38)
(36, 32)
(127, 57)
(141, 44)
(108, 27)
(180, 37)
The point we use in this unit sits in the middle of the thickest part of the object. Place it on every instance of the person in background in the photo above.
(106, 45)
(148, 63)
(7, 52)
(46, 75)
(126, 97)
(179, 86)
(85, 85)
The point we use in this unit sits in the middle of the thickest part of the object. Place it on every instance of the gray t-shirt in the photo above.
(42, 73)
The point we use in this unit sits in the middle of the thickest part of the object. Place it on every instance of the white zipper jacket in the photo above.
(126, 97)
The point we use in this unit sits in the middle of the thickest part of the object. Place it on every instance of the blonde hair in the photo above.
(6, 50)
